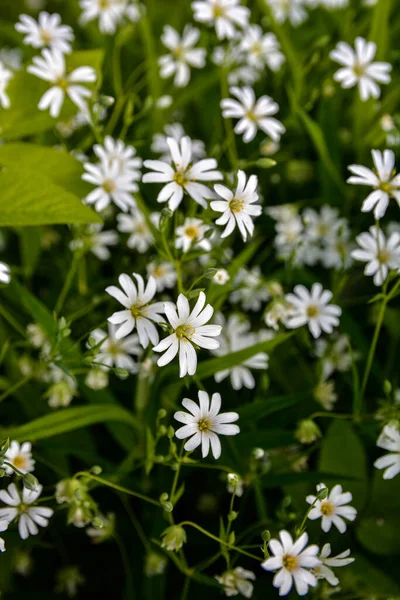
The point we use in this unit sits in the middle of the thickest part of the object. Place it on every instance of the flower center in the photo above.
(18, 461)
(46, 36)
(251, 116)
(113, 349)
(180, 178)
(184, 331)
(358, 69)
(289, 562)
(312, 311)
(109, 186)
(22, 508)
(178, 52)
(204, 425)
(256, 49)
(219, 11)
(62, 83)
(104, 4)
(158, 272)
(383, 256)
(191, 232)
(138, 311)
(385, 186)
(141, 228)
(236, 206)
(327, 508)
(322, 230)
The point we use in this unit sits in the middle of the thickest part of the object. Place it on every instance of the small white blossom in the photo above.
(105, 532)
(164, 274)
(184, 176)
(135, 223)
(288, 10)
(333, 509)
(252, 114)
(189, 327)
(21, 506)
(382, 179)
(51, 67)
(47, 31)
(335, 356)
(96, 241)
(116, 151)
(225, 15)
(19, 455)
(204, 423)
(293, 561)
(358, 68)
(221, 277)
(313, 308)
(111, 186)
(389, 439)
(262, 49)
(237, 581)
(191, 234)
(113, 352)
(5, 276)
(5, 77)
(183, 54)
(380, 253)
(175, 131)
(138, 312)
(108, 12)
(324, 571)
(252, 290)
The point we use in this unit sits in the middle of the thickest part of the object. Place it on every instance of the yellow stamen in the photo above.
(327, 508)
(236, 206)
(312, 311)
(184, 331)
(289, 562)
(204, 425)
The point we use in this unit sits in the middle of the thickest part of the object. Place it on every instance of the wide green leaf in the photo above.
(259, 409)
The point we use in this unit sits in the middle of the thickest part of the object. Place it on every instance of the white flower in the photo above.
(138, 311)
(333, 509)
(359, 69)
(389, 439)
(237, 581)
(5, 276)
(237, 207)
(164, 274)
(5, 76)
(262, 49)
(21, 508)
(115, 151)
(135, 223)
(380, 254)
(96, 241)
(51, 67)
(335, 357)
(64, 387)
(235, 484)
(111, 186)
(325, 394)
(334, 4)
(324, 572)
(314, 309)
(183, 54)
(20, 456)
(189, 327)
(225, 15)
(278, 312)
(236, 336)
(47, 31)
(113, 352)
(97, 379)
(221, 277)
(383, 180)
(108, 12)
(253, 291)
(293, 560)
(191, 235)
(288, 10)
(101, 534)
(3, 527)
(11, 58)
(203, 424)
(184, 177)
(175, 131)
(253, 114)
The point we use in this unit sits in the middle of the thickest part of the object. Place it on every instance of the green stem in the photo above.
(185, 590)
(176, 477)
(16, 386)
(126, 563)
(136, 525)
(13, 322)
(68, 282)
(230, 134)
(372, 349)
(119, 488)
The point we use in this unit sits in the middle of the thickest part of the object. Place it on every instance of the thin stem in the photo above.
(10, 319)
(68, 282)
(136, 525)
(16, 386)
(176, 477)
(232, 150)
(372, 349)
(126, 564)
(119, 488)
(185, 589)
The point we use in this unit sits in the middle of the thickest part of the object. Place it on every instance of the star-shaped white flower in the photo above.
(312, 308)
(288, 10)
(252, 114)
(108, 12)
(358, 68)
(262, 49)
(333, 509)
(389, 440)
(19, 455)
(113, 352)
(383, 180)
(189, 330)
(380, 253)
(225, 15)
(204, 423)
(324, 571)
(111, 186)
(191, 235)
(183, 54)
(47, 31)
(21, 506)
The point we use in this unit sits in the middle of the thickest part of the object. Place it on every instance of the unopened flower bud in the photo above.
(30, 482)
(307, 431)
(173, 538)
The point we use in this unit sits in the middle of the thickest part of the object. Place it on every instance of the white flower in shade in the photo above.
(135, 223)
(115, 151)
(292, 560)
(111, 186)
(389, 439)
(96, 241)
(47, 31)
(335, 356)
(236, 336)
(278, 312)
(237, 581)
(252, 114)
(324, 571)
(113, 352)
(288, 10)
(238, 207)
(191, 235)
(183, 54)
(51, 67)
(313, 308)
(225, 15)
(21, 506)
(325, 394)
(252, 290)
(104, 533)
(183, 176)
(164, 274)
(11, 58)
(235, 484)
(382, 179)
(262, 49)
(380, 253)
(204, 423)
(97, 379)
(64, 387)
(19, 455)
(333, 509)
(5, 276)
(108, 12)
(138, 311)
(175, 131)
(189, 329)
(358, 68)
(221, 277)
(5, 77)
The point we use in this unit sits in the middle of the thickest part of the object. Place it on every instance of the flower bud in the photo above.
(173, 538)
(307, 431)
(30, 482)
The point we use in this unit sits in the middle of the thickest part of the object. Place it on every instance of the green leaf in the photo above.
(261, 408)
(343, 453)
(370, 581)
(380, 27)
(69, 419)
